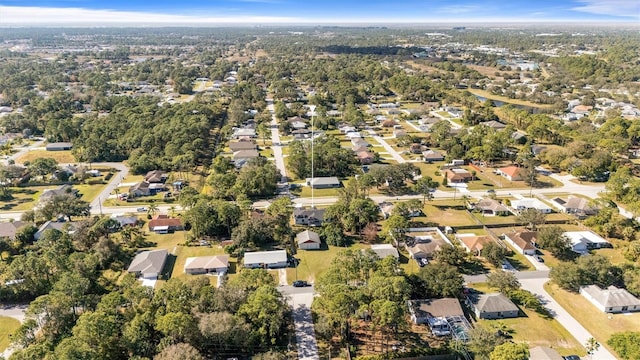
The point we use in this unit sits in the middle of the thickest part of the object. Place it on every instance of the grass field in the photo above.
(445, 212)
(62, 157)
(89, 192)
(315, 262)
(23, 198)
(7, 327)
(598, 323)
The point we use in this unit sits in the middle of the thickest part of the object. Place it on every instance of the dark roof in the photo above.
(242, 145)
(155, 176)
(495, 302)
(149, 261)
(164, 222)
(307, 236)
(436, 307)
(9, 229)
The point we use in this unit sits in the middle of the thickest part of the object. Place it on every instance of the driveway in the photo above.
(300, 300)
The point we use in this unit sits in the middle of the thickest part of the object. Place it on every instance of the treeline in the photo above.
(150, 136)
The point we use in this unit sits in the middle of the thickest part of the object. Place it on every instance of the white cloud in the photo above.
(30, 16)
(627, 8)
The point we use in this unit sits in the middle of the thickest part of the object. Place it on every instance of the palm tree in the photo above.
(153, 209)
(172, 211)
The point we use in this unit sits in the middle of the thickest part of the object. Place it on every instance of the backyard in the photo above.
(315, 262)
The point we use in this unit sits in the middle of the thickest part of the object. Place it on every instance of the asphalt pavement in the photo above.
(300, 300)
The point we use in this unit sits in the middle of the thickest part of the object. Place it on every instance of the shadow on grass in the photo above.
(474, 267)
(168, 266)
(517, 264)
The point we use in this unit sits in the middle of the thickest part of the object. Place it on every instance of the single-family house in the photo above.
(384, 250)
(583, 241)
(611, 299)
(496, 125)
(9, 229)
(242, 145)
(493, 306)
(522, 241)
(544, 353)
(491, 207)
(308, 240)
(218, 264)
(244, 132)
(68, 227)
(432, 155)
(162, 224)
(365, 157)
(59, 146)
(530, 203)
(424, 246)
(156, 177)
(298, 124)
(434, 313)
(457, 175)
(511, 173)
(353, 135)
(323, 182)
(60, 190)
(359, 142)
(473, 243)
(265, 259)
(245, 155)
(140, 189)
(576, 206)
(359, 148)
(308, 217)
(399, 133)
(148, 264)
(125, 221)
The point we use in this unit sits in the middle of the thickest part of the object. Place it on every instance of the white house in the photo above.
(308, 240)
(583, 241)
(610, 300)
(207, 265)
(530, 203)
(265, 259)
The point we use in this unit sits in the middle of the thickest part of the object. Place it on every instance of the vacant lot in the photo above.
(445, 213)
(62, 157)
(598, 323)
(315, 262)
(504, 99)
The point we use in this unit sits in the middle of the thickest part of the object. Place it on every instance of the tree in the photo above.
(65, 204)
(504, 281)
(482, 342)
(494, 253)
(452, 255)
(532, 218)
(424, 186)
(441, 280)
(43, 166)
(180, 351)
(510, 351)
(592, 346)
(551, 238)
(626, 344)
(394, 228)
(264, 130)
(265, 310)
(177, 327)
(152, 209)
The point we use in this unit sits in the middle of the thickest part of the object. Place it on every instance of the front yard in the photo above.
(315, 262)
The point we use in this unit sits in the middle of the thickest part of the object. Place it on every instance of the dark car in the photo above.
(300, 283)
(572, 357)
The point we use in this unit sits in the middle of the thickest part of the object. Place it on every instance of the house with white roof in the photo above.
(611, 299)
(207, 265)
(265, 259)
(583, 241)
(530, 203)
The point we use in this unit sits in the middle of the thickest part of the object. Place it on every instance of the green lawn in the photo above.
(511, 219)
(157, 199)
(23, 198)
(164, 241)
(62, 157)
(518, 260)
(315, 262)
(445, 212)
(7, 327)
(268, 153)
(598, 323)
(305, 191)
(89, 192)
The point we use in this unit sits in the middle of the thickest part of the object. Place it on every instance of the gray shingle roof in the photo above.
(611, 297)
(149, 261)
(495, 302)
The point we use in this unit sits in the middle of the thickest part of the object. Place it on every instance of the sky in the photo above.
(264, 12)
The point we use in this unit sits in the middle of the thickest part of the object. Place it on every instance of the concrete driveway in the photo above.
(300, 300)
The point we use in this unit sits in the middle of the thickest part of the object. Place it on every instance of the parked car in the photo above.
(141, 209)
(300, 283)
(571, 357)
(539, 259)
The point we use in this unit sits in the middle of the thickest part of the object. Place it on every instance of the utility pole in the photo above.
(312, 176)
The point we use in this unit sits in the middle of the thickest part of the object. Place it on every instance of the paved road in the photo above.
(23, 150)
(453, 124)
(123, 171)
(300, 300)
(277, 145)
(389, 149)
